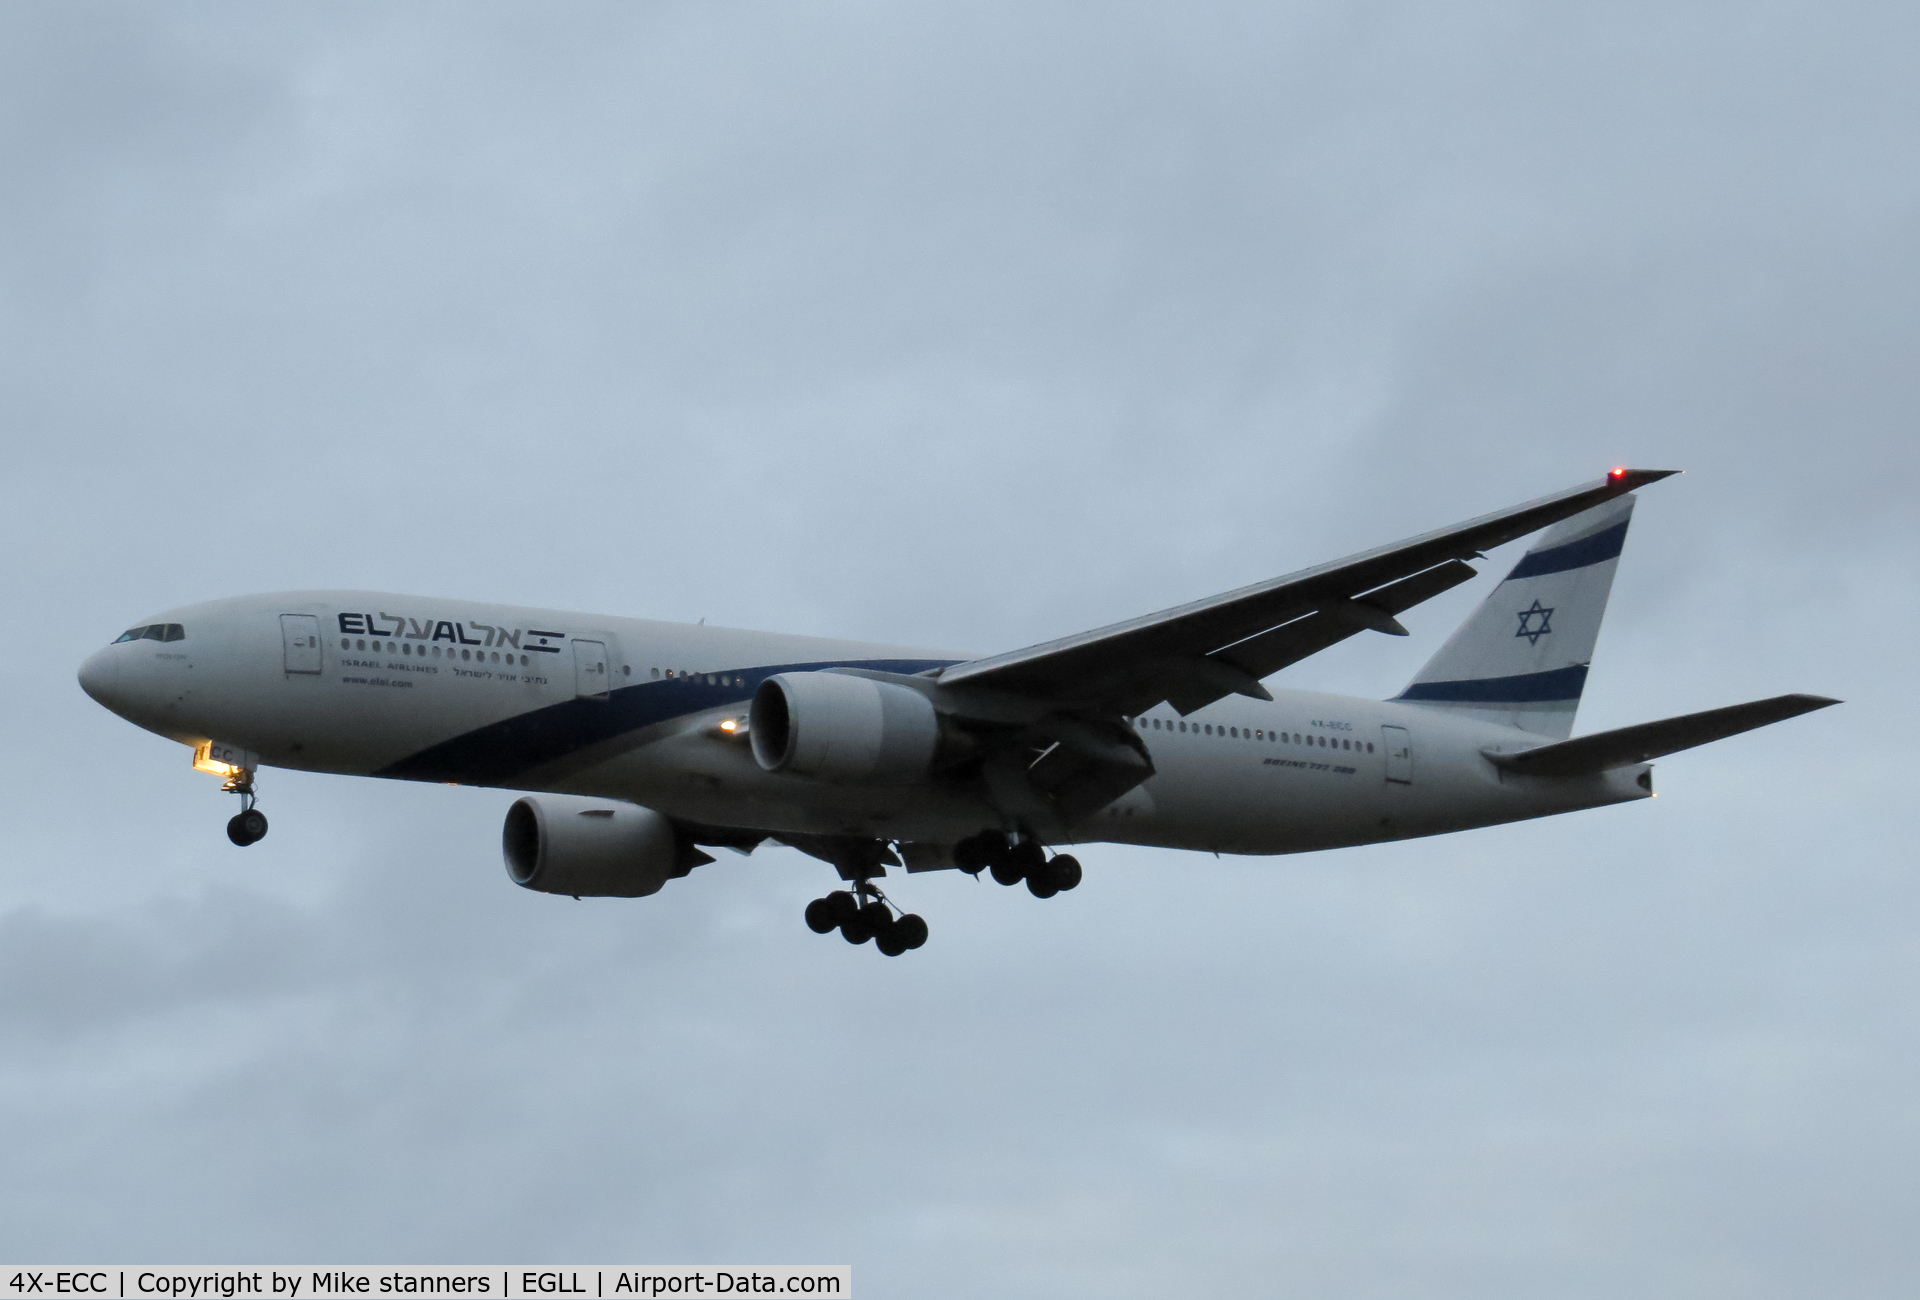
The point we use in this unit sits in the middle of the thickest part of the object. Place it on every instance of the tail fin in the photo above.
(1522, 659)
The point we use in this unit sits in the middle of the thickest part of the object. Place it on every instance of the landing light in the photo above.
(222, 760)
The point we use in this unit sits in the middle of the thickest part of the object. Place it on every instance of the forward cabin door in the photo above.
(300, 639)
(1399, 747)
(591, 680)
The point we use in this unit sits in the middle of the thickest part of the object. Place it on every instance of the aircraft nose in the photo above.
(100, 677)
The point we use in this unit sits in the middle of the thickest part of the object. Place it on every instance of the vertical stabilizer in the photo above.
(1521, 660)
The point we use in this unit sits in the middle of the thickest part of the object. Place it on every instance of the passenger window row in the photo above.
(712, 679)
(483, 656)
(1257, 733)
(408, 648)
(153, 632)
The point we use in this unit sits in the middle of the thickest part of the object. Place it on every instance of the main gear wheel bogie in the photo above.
(862, 914)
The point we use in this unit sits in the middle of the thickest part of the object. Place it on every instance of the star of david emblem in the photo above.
(1534, 631)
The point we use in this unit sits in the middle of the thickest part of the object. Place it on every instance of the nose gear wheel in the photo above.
(249, 825)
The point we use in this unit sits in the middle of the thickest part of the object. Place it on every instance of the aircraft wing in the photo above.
(1194, 654)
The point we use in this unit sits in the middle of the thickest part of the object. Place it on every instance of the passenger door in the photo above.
(300, 640)
(591, 679)
(1399, 747)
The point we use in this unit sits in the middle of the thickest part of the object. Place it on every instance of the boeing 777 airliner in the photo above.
(640, 742)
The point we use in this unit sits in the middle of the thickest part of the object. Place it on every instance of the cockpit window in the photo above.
(154, 632)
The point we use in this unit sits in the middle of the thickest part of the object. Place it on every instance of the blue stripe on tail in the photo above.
(1603, 545)
(1528, 688)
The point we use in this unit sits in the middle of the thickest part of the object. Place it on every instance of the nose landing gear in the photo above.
(864, 913)
(249, 825)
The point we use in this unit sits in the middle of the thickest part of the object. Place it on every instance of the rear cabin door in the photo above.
(591, 680)
(1399, 747)
(300, 638)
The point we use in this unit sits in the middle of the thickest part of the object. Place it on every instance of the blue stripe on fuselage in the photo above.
(499, 753)
(1603, 545)
(1526, 688)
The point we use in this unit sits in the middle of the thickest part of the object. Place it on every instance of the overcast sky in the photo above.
(968, 326)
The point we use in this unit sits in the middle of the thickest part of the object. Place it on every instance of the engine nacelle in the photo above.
(565, 844)
(835, 727)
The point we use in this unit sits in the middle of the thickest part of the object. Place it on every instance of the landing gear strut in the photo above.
(249, 825)
(1010, 863)
(864, 913)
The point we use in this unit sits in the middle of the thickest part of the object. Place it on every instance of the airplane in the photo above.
(639, 743)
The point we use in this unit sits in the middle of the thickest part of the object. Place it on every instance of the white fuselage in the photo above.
(630, 709)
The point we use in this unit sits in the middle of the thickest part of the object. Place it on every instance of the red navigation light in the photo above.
(1619, 471)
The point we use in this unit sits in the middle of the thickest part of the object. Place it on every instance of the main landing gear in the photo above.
(1012, 862)
(249, 825)
(863, 913)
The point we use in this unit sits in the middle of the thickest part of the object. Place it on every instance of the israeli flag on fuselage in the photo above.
(1521, 660)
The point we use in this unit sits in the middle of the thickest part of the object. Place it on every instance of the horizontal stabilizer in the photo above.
(1649, 740)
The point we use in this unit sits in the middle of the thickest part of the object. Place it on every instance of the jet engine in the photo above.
(564, 844)
(835, 727)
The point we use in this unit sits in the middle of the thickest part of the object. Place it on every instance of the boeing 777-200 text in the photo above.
(641, 742)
